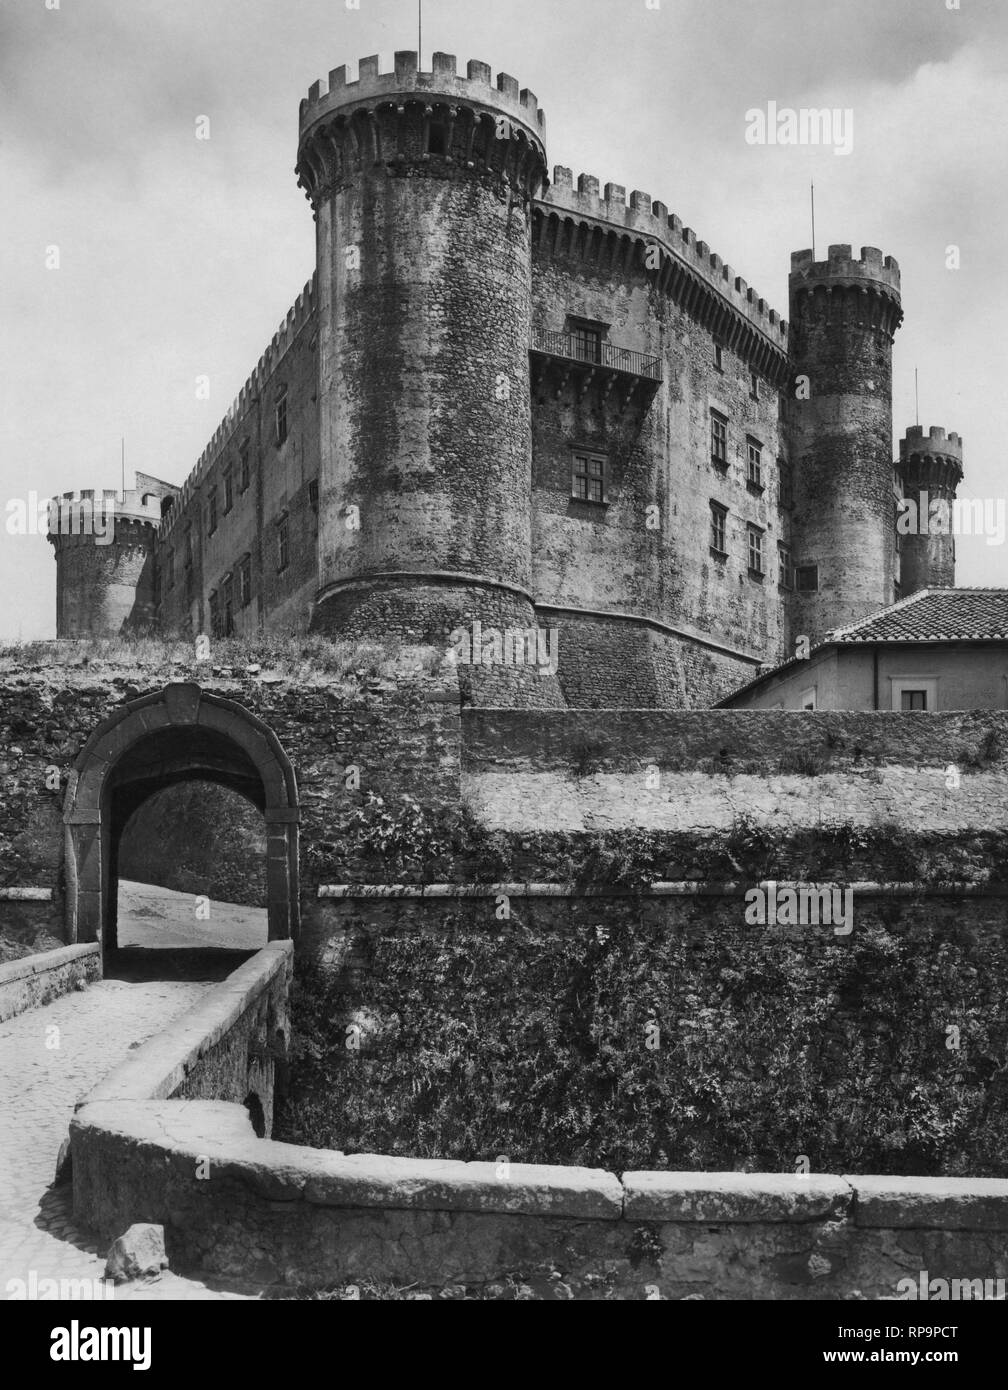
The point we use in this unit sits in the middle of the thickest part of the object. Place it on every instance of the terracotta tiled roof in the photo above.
(932, 615)
(935, 615)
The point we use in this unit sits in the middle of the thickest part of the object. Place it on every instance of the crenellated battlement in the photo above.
(932, 460)
(298, 316)
(407, 121)
(865, 290)
(372, 85)
(841, 266)
(68, 510)
(650, 221)
(936, 441)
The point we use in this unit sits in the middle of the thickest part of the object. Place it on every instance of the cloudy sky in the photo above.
(179, 257)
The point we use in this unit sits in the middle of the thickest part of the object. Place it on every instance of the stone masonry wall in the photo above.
(658, 452)
(280, 475)
(944, 775)
(29, 983)
(400, 736)
(232, 1046)
(282, 1214)
(611, 663)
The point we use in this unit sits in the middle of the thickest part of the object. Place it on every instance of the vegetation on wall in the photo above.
(632, 1046)
(451, 844)
(635, 1047)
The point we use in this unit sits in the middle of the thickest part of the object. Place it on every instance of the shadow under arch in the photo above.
(179, 734)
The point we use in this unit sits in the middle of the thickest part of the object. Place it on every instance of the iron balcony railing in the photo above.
(595, 353)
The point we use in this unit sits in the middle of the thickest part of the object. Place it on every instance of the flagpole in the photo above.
(812, 185)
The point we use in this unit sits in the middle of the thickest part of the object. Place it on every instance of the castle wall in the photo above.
(280, 475)
(657, 448)
(633, 663)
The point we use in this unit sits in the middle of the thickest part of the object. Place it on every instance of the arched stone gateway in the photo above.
(178, 735)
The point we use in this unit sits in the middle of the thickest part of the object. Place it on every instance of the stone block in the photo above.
(712, 1198)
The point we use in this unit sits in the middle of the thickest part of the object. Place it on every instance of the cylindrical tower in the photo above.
(930, 469)
(844, 315)
(421, 185)
(104, 561)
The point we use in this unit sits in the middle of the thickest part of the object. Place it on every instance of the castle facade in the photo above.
(531, 402)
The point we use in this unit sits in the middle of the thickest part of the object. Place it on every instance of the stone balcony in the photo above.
(558, 358)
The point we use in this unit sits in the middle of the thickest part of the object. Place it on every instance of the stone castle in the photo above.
(526, 402)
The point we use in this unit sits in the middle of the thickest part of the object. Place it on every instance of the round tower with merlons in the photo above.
(421, 185)
(844, 316)
(930, 468)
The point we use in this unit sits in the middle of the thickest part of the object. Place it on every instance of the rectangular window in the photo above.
(215, 618)
(245, 581)
(170, 570)
(228, 606)
(753, 386)
(283, 543)
(244, 470)
(281, 419)
(806, 578)
(313, 495)
(718, 519)
(786, 484)
(719, 439)
(754, 467)
(228, 491)
(719, 357)
(915, 694)
(587, 343)
(808, 699)
(784, 578)
(188, 548)
(212, 506)
(755, 551)
(588, 477)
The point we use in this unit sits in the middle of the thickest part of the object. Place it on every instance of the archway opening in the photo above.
(150, 754)
(190, 869)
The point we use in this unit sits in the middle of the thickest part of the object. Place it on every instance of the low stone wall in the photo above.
(35, 980)
(240, 1207)
(161, 1140)
(231, 1046)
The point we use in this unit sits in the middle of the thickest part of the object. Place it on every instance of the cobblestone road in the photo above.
(49, 1058)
